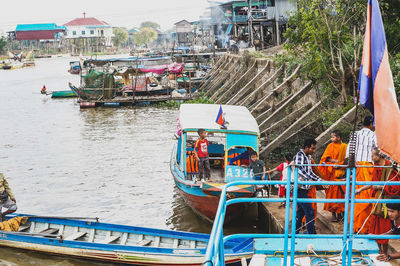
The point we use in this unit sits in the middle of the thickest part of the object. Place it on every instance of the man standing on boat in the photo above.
(201, 153)
(7, 199)
(303, 160)
(365, 142)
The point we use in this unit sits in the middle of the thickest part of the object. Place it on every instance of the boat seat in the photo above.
(258, 260)
(144, 242)
(24, 227)
(109, 240)
(49, 231)
(75, 236)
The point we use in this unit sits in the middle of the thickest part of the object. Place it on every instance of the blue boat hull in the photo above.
(127, 253)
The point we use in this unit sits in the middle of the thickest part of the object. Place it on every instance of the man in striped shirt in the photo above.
(303, 159)
(365, 143)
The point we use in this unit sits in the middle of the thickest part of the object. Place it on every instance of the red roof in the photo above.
(86, 22)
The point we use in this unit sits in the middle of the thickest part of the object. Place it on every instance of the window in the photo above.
(102, 32)
(74, 33)
(91, 32)
(83, 32)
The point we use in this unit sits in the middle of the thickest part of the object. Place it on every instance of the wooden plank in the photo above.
(61, 231)
(156, 242)
(124, 238)
(175, 244)
(23, 227)
(33, 224)
(75, 236)
(144, 242)
(49, 231)
(91, 235)
(109, 240)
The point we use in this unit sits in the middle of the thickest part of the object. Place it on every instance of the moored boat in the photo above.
(63, 94)
(93, 240)
(240, 136)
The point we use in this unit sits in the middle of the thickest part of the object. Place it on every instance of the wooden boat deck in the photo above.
(93, 235)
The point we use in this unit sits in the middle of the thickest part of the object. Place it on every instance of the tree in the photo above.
(3, 44)
(145, 36)
(150, 24)
(120, 36)
(327, 36)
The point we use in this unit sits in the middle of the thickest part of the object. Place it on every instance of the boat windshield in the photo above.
(228, 160)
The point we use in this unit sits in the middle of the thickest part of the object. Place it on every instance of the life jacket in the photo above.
(233, 155)
(192, 167)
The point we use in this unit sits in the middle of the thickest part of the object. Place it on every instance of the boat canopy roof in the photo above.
(194, 116)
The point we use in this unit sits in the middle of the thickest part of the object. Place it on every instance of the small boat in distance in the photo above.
(240, 136)
(74, 67)
(89, 239)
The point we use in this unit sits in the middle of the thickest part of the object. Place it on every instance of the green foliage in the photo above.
(390, 11)
(331, 115)
(145, 36)
(120, 37)
(176, 104)
(150, 24)
(3, 44)
(326, 37)
(395, 66)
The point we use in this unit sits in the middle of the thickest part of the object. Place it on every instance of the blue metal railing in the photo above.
(215, 248)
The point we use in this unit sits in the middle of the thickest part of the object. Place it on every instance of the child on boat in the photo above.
(201, 153)
(257, 166)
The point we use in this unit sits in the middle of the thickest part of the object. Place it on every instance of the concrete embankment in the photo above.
(287, 106)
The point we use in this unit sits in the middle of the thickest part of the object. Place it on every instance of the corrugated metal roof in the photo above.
(41, 26)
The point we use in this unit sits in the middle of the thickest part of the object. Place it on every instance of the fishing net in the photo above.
(95, 80)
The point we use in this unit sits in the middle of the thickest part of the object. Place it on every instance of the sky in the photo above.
(118, 13)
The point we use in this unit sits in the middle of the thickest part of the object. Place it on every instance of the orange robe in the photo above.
(363, 210)
(335, 151)
(380, 224)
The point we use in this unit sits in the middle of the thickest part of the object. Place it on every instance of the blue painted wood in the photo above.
(235, 246)
(271, 245)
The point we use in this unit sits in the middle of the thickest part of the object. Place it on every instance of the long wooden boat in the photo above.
(241, 135)
(63, 94)
(93, 240)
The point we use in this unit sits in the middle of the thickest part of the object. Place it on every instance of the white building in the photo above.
(88, 33)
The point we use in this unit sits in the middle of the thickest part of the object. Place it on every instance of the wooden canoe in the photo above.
(117, 243)
(63, 94)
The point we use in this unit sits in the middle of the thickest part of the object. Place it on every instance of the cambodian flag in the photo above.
(376, 84)
(220, 118)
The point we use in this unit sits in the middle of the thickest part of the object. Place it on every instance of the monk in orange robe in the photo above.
(379, 220)
(335, 153)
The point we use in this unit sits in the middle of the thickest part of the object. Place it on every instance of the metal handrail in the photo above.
(215, 248)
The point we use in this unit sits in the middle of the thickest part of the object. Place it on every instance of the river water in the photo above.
(109, 163)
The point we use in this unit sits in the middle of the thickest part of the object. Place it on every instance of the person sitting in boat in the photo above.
(7, 199)
(201, 153)
(43, 90)
(257, 166)
(393, 211)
